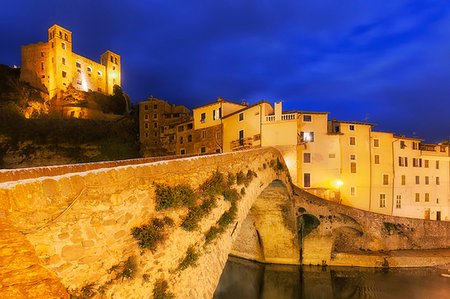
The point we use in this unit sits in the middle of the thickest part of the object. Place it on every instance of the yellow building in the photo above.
(342, 161)
(52, 66)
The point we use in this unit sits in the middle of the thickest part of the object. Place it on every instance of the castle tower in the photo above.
(111, 61)
(60, 59)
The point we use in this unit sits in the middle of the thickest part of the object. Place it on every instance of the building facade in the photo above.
(341, 161)
(52, 66)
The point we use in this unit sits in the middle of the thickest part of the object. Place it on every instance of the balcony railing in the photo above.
(240, 144)
(289, 116)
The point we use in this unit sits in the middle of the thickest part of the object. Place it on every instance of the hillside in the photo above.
(33, 133)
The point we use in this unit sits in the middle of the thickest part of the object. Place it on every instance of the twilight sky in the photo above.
(385, 62)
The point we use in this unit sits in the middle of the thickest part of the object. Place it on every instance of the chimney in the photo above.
(278, 111)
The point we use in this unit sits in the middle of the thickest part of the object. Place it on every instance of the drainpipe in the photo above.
(370, 169)
(393, 177)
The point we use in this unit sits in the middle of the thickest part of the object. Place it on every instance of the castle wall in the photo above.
(35, 65)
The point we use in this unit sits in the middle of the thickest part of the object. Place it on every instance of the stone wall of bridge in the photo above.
(80, 223)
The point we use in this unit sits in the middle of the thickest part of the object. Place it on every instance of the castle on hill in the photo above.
(53, 67)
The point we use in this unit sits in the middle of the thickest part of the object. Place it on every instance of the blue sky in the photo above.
(385, 62)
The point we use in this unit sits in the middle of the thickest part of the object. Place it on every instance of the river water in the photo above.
(244, 279)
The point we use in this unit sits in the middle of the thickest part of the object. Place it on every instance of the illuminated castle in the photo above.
(52, 66)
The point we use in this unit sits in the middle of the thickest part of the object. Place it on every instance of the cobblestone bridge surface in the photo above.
(71, 227)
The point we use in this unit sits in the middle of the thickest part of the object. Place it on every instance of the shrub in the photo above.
(190, 259)
(243, 191)
(264, 165)
(174, 196)
(168, 221)
(240, 178)
(207, 205)
(191, 220)
(214, 185)
(150, 235)
(128, 269)
(212, 234)
(226, 219)
(231, 195)
(250, 175)
(231, 179)
(160, 290)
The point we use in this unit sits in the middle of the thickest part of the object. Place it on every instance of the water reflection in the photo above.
(243, 279)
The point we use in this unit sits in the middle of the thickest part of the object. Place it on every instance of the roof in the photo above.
(409, 138)
(304, 112)
(220, 100)
(247, 107)
(355, 123)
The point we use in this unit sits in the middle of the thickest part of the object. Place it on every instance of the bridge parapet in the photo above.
(80, 223)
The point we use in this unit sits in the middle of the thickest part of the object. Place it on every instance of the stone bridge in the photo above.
(69, 228)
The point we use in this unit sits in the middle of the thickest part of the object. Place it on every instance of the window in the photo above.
(402, 144)
(89, 69)
(351, 127)
(114, 67)
(400, 161)
(181, 140)
(385, 179)
(189, 138)
(115, 60)
(377, 159)
(306, 180)
(241, 137)
(155, 116)
(203, 149)
(217, 113)
(155, 125)
(204, 134)
(353, 167)
(99, 89)
(417, 180)
(331, 156)
(427, 163)
(180, 128)
(182, 152)
(398, 202)
(63, 45)
(420, 162)
(353, 157)
(155, 106)
(63, 61)
(442, 148)
(437, 181)
(99, 73)
(352, 140)
(189, 126)
(53, 45)
(79, 82)
(42, 66)
(437, 164)
(146, 125)
(427, 197)
(42, 54)
(438, 215)
(414, 144)
(308, 136)
(306, 118)
(78, 64)
(241, 116)
(415, 162)
(403, 179)
(65, 36)
(406, 161)
(111, 58)
(352, 191)
(64, 74)
(146, 116)
(146, 135)
(376, 143)
(382, 200)
(417, 197)
(218, 150)
(203, 118)
(306, 157)
(427, 180)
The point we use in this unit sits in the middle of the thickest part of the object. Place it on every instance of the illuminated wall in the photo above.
(54, 66)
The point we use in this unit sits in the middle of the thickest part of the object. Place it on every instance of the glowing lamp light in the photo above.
(307, 136)
(339, 183)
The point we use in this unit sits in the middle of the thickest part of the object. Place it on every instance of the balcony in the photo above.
(289, 116)
(241, 144)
